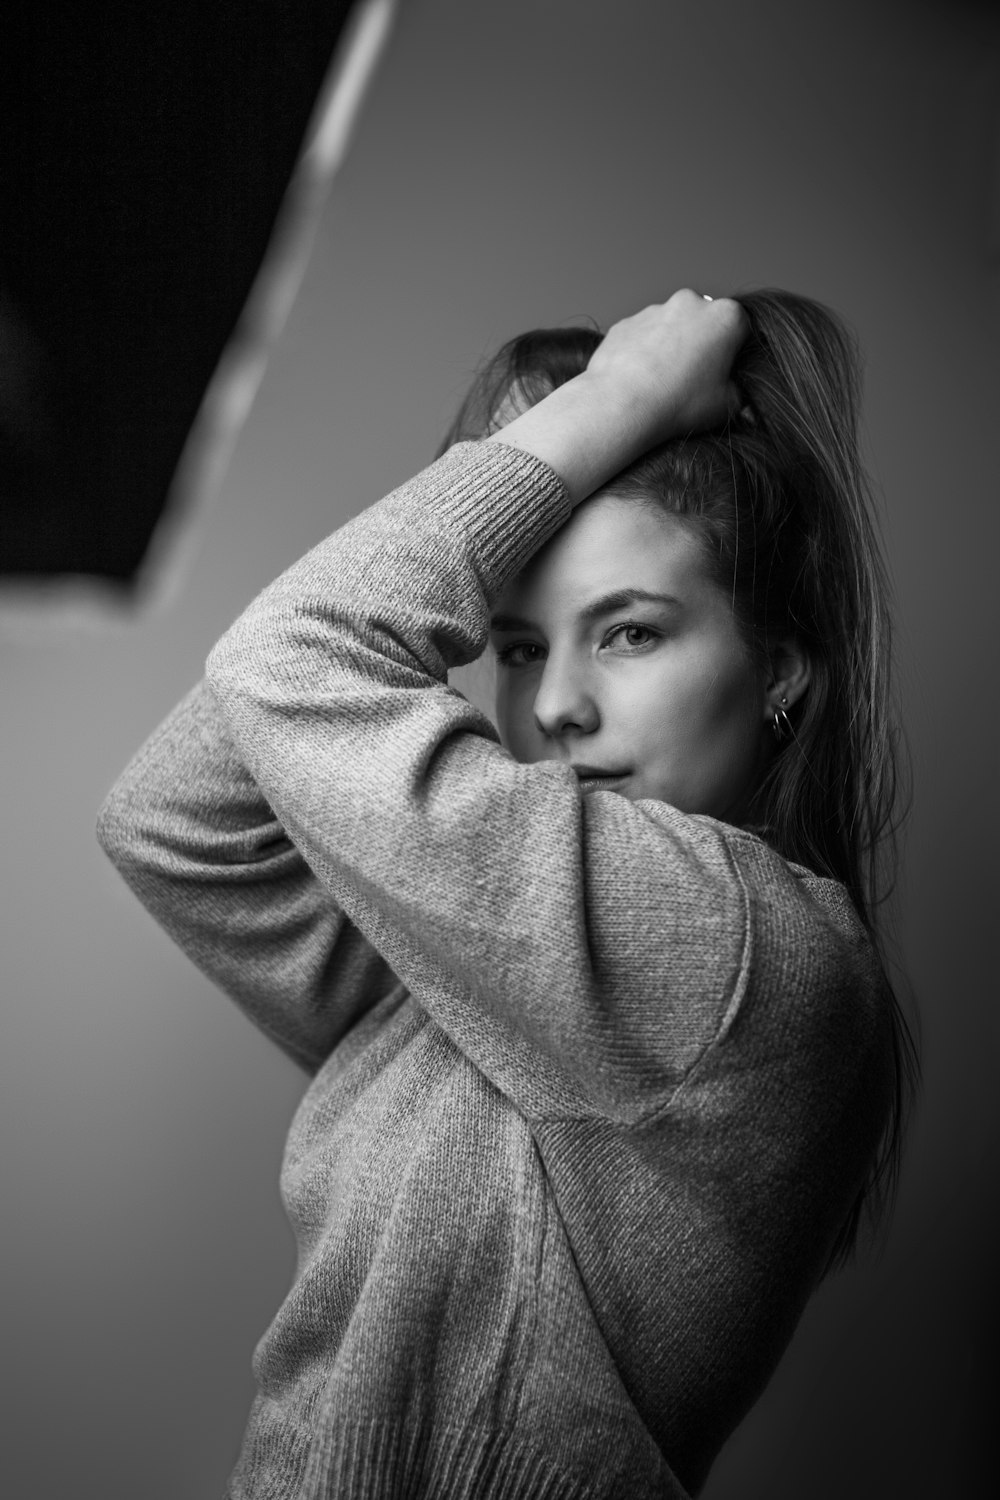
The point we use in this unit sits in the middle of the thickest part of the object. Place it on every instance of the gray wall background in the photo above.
(517, 165)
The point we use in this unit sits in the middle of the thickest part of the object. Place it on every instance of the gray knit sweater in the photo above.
(594, 1081)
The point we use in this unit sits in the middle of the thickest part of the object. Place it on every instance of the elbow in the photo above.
(114, 827)
(223, 663)
(222, 673)
(123, 826)
(215, 664)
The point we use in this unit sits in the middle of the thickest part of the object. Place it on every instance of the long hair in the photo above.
(782, 505)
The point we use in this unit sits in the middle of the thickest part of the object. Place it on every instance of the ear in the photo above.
(787, 676)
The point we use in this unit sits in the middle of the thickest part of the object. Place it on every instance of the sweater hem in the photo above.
(385, 1460)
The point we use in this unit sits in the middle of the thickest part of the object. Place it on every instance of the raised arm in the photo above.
(582, 950)
(189, 830)
(509, 905)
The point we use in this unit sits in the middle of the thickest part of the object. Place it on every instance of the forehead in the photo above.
(610, 543)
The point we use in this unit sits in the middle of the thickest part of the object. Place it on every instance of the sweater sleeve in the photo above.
(189, 830)
(582, 950)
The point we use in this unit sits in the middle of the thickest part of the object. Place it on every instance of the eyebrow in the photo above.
(605, 605)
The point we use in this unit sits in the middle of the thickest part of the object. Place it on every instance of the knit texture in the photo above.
(594, 1081)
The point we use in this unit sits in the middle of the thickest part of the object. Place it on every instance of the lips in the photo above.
(594, 778)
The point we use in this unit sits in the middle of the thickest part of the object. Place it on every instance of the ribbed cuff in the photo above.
(505, 502)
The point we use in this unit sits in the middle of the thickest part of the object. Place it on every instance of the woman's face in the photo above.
(619, 655)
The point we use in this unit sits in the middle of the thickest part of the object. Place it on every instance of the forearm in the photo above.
(587, 430)
(189, 830)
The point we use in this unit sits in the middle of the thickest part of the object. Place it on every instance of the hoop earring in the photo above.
(781, 724)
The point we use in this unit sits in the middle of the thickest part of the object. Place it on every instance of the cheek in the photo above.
(732, 703)
(513, 711)
(703, 749)
(726, 760)
(707, 713)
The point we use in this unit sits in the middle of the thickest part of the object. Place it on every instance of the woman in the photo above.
(605, 1062)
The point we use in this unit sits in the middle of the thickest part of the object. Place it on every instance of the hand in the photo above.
(661, 374)
(673, 362)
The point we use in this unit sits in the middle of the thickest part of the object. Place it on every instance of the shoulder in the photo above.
(816, 1006)
(710, 950)
(808, 962)
(804, 922)
(717, 892)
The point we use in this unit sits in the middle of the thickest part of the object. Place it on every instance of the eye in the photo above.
(521, 654)
(630, 635)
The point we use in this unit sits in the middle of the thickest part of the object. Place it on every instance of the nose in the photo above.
(565, 700)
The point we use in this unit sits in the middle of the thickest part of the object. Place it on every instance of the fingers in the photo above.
(676, 358)
(724, 313)
(729, 318)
